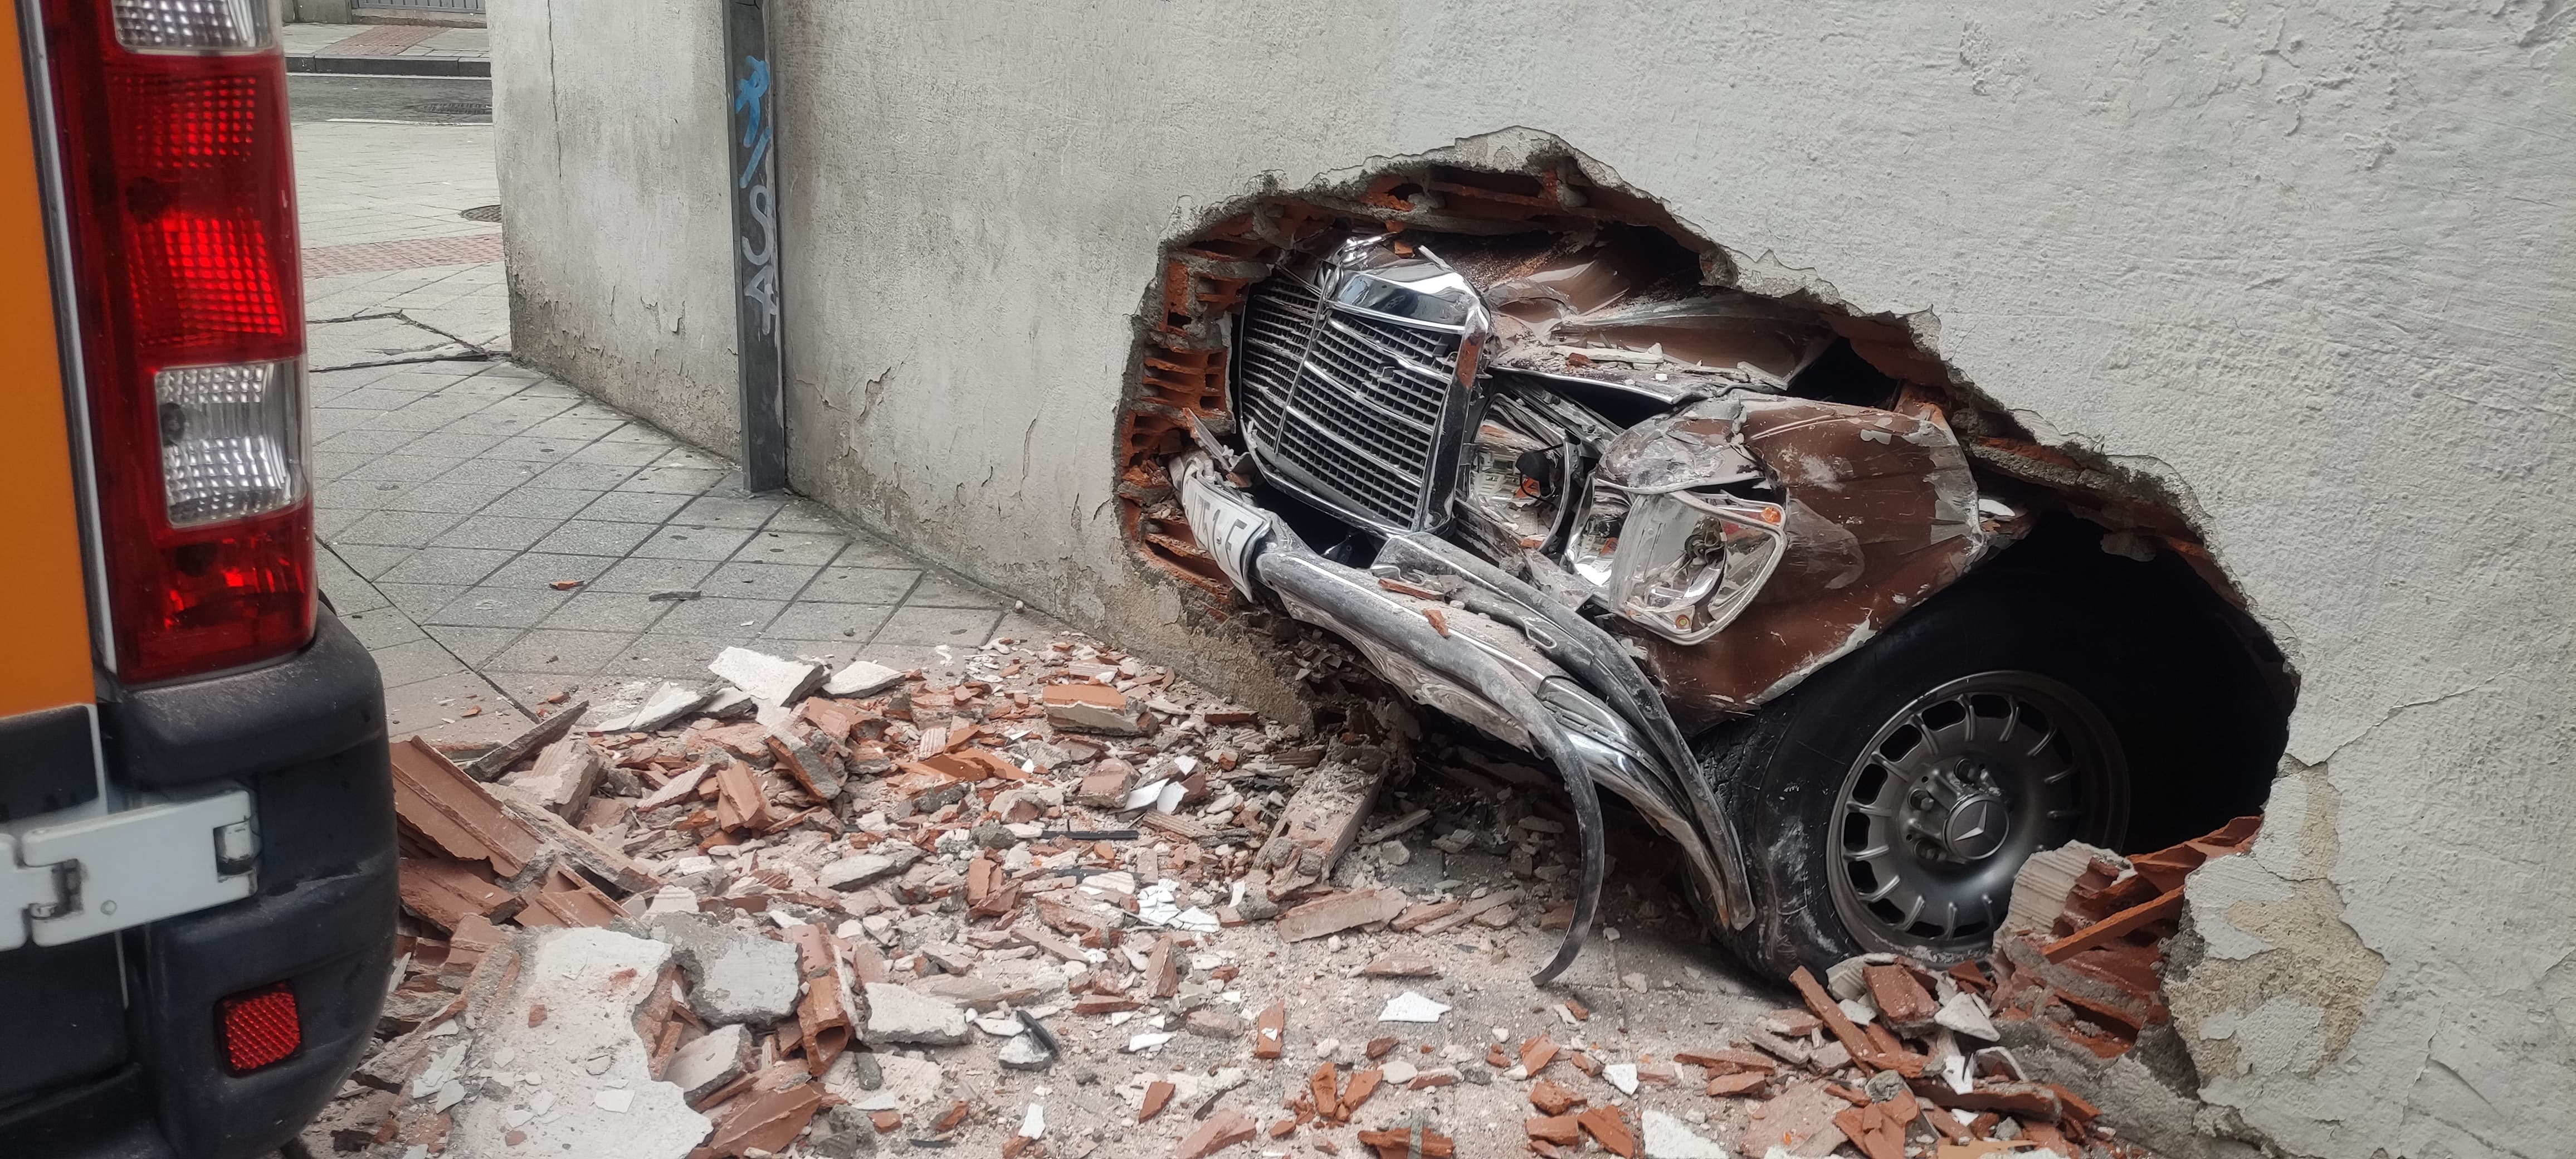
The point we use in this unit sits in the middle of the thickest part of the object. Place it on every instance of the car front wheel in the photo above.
(1889, 801)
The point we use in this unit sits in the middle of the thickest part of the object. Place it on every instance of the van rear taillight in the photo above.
(179, 198)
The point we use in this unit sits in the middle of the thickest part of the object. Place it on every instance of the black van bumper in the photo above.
(307, 736)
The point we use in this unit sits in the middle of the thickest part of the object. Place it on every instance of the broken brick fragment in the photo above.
(1222, 1130)
(1610, 1130)
(1270, 1031)
(1408, 1143)
(1554, 1098)
(1157, 1094)
(1357, 1091)
(1558, 1129)
(1325, 1083)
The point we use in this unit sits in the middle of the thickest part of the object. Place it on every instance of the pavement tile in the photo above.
(379, 629)
(723, 511)
(437, 706)
(653, 575)
(399, 528)
(418, 600)
(473, 645)
(595, 537)
(620, 453)
(837, 652)
(577, 427)
(719, 616)
(861, 585)
(369, 560)
(636, 432)
(494, 607)
(848, 623)
(447, 565)
(602, 611)
(675, 541)
(938, 591)
(529, 449)
(681, 480)
(369, 442)
(513, 532)
(415, 661)
(958, 627)
(791, 547)
(805, 516)
(404, 468)
(869, 551)
(462, 498)
(585, 476)
(670, 656)
(543, 569)
(635, 506)
(530, 499)
(771, 581)
(559, 651)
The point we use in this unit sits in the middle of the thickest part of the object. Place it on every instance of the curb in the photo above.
(438, 66)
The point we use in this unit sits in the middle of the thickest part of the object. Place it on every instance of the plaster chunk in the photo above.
(590, 982)
(898, 1015)
(733, 976)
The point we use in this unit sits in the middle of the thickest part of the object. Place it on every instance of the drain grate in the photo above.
(481, 213)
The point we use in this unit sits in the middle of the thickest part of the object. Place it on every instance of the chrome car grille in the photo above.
(1356, 412)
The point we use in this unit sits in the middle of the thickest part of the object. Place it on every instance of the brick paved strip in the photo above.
(407, 254)
(382, 40)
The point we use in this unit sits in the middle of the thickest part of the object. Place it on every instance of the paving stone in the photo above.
(762, 581)
(678, 541)
(956, 627)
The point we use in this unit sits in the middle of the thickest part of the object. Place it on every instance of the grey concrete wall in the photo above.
(610, 124)
(2308, 262)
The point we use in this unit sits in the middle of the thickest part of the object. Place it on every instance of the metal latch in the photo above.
(78, 879)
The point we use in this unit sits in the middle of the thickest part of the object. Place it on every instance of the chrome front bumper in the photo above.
(1503, 658)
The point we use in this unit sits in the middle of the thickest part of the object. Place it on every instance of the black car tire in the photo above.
(1783, 772)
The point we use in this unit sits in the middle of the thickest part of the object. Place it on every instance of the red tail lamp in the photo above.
(259, 1027)
(179, 198)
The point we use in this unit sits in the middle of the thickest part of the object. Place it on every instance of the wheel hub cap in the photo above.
(1957, 814)
(1953, 793)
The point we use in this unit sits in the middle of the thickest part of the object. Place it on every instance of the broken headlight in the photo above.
(1682, 563)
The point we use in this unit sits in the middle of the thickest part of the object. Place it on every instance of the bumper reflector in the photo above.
(259, 1027)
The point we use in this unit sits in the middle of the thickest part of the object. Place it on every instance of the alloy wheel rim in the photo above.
(1953, 793)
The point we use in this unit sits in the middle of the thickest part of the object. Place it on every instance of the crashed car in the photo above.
(1673, 538)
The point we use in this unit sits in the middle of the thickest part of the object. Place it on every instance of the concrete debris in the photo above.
(861, 678)
(897, 1015)
(709, 1062)
(1411, 1007)
(594, 985)
(668, 702)
(734, 976)
(769, 679)
(892, 908)
(1669, 1138)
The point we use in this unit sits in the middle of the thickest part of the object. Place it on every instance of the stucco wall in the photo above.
(2310, 263)
(617, 239)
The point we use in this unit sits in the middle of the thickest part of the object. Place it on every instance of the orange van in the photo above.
(197, 868)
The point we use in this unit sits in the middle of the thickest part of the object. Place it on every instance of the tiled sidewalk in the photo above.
(492, 520)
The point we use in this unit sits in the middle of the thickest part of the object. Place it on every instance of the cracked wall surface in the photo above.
(2306, 264)
(619, 225)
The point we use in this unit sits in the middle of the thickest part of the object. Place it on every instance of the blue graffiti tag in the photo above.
(748, 97)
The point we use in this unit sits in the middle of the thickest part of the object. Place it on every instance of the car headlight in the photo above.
(1681, 563)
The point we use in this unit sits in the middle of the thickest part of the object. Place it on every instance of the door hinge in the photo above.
(167, 856)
